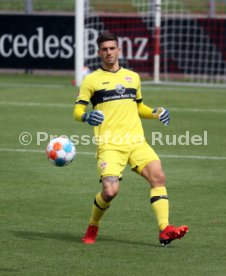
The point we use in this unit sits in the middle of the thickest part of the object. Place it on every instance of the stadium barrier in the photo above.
(47, 42)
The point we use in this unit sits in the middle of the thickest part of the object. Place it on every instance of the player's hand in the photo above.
(94, 118)
(162, 114)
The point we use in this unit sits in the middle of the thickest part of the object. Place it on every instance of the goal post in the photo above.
(165, 41)
(157, 33)
(79, 40)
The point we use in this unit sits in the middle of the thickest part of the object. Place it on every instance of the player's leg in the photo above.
(154, 174)
(110, 166)
(110, 188)
(146, 162)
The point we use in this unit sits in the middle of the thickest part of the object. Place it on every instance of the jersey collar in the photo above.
(109, 70)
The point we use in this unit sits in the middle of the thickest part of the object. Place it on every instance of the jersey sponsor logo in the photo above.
(104, 95)
(105, 82)
(120, 89)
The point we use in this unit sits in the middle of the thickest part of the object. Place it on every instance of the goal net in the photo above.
(165, 41)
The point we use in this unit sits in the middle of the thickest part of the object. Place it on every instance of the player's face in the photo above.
(109, 53)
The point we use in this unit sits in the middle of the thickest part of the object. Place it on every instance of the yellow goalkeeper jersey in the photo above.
(116, 94)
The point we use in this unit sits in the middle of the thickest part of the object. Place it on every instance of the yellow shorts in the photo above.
(113, 159)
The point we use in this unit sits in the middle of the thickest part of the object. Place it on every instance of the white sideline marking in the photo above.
(197, 110)
(35, 104)
(162, 87)
(193, 157)
(200, 157)
(176, 109)
(183, 87)
(41, 85)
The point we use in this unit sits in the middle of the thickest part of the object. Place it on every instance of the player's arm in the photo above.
(159, 113)
(148, 113)
(79, 111)
(94, 118)
(145, 111)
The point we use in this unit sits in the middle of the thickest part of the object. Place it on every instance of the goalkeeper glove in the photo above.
(162, 114)
(94, 118)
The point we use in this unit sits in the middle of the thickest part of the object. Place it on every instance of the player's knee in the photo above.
(110, 187)
(157, 179)
(108, 195)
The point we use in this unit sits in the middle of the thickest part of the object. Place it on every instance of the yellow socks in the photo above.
(99, 207)
(160, 205)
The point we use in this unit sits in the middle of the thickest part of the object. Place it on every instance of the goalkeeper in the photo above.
(115, 94)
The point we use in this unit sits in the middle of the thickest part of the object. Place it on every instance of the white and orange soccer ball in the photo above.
(60, 151)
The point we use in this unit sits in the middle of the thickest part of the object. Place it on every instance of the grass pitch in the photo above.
(45, 209)
(201, 6)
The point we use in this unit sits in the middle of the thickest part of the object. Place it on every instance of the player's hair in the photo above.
(106, 36)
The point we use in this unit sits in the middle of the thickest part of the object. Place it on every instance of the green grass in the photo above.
(19, 5)
(118, 6)
(45, 209)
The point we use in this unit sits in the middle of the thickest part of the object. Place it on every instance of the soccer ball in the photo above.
(60, 151)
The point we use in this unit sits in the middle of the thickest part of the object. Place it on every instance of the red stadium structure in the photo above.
(166, 41)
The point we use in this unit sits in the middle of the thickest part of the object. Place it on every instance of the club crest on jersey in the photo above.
(120, 89)
(128, 79)
(103, 165)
